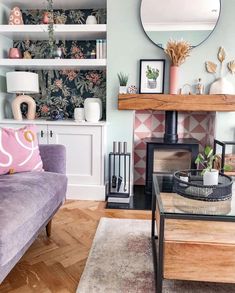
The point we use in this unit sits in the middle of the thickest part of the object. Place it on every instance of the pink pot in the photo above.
(174, 80)
(15, 53)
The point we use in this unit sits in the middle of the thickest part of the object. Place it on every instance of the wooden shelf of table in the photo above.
(162, 102)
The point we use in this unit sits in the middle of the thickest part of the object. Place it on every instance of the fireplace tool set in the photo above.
(119, 171)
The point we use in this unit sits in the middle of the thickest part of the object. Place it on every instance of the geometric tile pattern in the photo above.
(198, 125)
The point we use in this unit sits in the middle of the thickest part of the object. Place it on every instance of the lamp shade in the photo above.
(22, 82)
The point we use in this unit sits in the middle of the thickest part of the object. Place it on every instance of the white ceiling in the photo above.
(58, 4)
(172, 12)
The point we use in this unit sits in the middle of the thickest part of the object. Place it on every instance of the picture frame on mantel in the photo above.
(152, 76)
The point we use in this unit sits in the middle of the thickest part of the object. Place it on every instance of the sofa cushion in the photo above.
(19, 150)
(27, 200)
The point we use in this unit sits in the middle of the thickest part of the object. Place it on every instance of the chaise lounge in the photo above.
(28, 202)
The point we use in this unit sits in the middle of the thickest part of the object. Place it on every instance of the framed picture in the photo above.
(152, 75)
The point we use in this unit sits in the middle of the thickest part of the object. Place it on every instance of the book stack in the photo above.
(101, 49)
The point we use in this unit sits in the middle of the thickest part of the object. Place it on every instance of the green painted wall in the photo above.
(127, 44)
(193, 37)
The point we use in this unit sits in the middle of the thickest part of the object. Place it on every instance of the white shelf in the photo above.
(62, 32)
(58, 4)
(53, 64)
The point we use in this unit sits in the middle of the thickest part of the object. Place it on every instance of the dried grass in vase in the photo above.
(177, 51)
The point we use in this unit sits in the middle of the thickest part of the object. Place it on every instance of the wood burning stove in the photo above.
(169, 154)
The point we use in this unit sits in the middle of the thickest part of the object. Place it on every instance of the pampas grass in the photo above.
(177, 51)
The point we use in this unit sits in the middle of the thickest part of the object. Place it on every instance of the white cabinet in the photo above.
(85, 154)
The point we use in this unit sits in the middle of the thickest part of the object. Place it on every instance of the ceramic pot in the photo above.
(91, 19)
(152, 84)
(79, 114)
(122, 90)
(15, 17)
(174, 80)
(211, 177)
(93, 109)
(222, 86)
(15, 53)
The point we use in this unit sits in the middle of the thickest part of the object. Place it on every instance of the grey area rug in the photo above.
(120, 261)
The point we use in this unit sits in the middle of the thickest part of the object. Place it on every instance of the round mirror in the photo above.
(192, 21)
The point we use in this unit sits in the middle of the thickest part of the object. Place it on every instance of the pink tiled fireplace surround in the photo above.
(198, 125)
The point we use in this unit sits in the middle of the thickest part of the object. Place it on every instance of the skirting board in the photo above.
(86, 192)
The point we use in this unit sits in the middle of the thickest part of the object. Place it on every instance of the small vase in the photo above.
(211, 177)
(122, 90)
(46, 17)
(91, 19)
(57, 53)
(222, 87)
(15, 53)
(92, 112)
(174, 80)
(79, 114)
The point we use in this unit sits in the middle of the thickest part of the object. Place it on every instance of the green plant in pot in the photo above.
(206, 161)
(152, 75)
(123, 80)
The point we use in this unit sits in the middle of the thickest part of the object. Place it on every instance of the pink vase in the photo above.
(15, 53)
(174, 80)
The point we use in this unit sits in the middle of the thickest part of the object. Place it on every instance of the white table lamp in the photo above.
(21, 82)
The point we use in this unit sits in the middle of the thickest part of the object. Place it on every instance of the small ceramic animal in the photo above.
(132, 89)
(15, 17)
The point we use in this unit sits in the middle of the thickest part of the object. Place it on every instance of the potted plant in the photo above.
(123, 79)
(206, 160)
(152, 75)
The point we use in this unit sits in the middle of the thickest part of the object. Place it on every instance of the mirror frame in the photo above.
(220, 4)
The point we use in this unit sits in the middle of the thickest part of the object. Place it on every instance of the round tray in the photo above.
(195, 189)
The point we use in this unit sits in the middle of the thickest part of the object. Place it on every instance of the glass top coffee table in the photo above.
(192, 239)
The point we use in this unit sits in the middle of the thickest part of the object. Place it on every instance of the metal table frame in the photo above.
(158, 239)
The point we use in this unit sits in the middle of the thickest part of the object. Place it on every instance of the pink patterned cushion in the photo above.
(19, 150)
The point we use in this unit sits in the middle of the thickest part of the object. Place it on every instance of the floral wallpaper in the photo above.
(64, 90)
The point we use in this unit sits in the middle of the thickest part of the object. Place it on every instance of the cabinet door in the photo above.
(84, 152)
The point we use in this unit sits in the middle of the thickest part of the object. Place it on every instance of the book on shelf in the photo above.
(101, 49)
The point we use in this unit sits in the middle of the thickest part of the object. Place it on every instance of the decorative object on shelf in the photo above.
(101, 49)
(93, 54)
(206, 160)
(182, 90)
(221, 85)
(57, 53)
(199, 87)
(178, 52)
(23, 82)
(91, 19)
(27, 55)
(132, 89)
(15, 17)
(152, 75)
(79, 114)
(196, 189)
(93, 109)
(46, 17)
(56, 114)
(14, 53)
(123, 80)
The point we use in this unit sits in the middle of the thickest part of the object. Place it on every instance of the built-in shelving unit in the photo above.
(57, 4)
(62, 32)
(53, 64)
(208, 103)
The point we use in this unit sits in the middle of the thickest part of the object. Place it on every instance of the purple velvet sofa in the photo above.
(28, 201)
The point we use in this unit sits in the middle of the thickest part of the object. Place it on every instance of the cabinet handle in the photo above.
(42, 133)
(51, 133)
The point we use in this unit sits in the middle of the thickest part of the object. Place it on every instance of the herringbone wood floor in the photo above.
(56, 264)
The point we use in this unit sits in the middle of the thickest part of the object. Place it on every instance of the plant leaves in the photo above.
(221, 54)
(231, 66)
(208, 151)
(211, 67)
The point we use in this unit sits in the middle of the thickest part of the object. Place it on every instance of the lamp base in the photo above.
(16, 110)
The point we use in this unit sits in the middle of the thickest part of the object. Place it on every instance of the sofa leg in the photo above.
(48, 228)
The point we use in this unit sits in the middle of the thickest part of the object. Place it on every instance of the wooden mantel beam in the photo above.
(207, 103)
